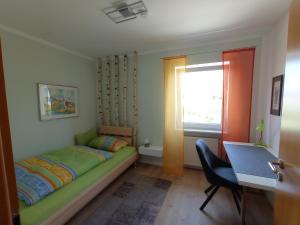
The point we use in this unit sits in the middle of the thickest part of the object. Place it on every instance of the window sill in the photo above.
(202, 133)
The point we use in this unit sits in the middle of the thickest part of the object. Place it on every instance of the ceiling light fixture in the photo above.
(121, 11)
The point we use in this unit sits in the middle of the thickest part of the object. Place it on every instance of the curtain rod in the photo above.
(206, 52)
(173, 57)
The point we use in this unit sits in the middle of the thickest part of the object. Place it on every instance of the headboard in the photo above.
(124, 133)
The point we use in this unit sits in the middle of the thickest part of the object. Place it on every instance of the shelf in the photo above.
(155, 151)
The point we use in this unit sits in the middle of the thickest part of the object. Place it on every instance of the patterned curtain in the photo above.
(125, 84)
(135, 99)
(107, 100)
(116, 90)
(99, 92)
(117, 93)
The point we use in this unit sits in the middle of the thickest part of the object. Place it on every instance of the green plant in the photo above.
(261, 128)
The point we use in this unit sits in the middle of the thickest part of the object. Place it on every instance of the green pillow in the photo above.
(85, 138)
(107, 143)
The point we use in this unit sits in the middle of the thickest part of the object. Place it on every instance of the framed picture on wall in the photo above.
(276, 100)
(57, 101)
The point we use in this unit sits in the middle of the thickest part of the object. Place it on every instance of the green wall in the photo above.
(28, 62)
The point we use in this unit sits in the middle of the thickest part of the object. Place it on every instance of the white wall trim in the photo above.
(205, 44)
(44, 42)
(255, 35)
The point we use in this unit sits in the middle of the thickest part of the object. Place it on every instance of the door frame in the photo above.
(9, 206)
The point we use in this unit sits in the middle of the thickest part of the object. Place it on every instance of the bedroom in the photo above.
(68, 44)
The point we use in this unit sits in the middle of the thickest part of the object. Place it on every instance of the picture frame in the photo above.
(277, 93)
(57, 101)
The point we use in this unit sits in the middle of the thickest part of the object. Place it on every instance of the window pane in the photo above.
(202, 98)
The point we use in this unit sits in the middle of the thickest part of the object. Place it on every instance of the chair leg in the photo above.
(207, 190)
(238, 195)
(209, 197)
(235, 197)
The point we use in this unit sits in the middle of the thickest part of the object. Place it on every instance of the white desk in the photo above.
(254, 173)
(250, 165)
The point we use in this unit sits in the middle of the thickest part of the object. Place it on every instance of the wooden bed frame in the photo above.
(69, 210)
(125, 133)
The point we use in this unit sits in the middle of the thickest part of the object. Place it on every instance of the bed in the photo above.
(58, 207)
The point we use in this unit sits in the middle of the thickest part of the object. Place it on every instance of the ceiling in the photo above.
(80, 25)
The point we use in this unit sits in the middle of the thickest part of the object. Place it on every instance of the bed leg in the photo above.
(134, 165)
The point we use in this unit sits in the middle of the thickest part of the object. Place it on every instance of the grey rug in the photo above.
(136, 201)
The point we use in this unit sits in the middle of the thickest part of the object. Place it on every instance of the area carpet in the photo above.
(136, 201)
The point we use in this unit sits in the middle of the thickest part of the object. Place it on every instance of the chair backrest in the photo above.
(208, 160)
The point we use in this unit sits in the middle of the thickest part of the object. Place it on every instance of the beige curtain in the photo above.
(173, 130)
(116, 102)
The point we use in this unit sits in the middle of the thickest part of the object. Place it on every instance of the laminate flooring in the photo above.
(181, 206)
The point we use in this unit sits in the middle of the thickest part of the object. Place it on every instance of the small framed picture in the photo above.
(277, 89)
(57, 101)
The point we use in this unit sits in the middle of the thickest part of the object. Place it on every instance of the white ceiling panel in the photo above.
(80, 25)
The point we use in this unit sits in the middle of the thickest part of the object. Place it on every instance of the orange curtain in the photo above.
(237, 95)
(173, 129)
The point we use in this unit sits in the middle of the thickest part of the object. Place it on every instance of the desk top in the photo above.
(250, 164)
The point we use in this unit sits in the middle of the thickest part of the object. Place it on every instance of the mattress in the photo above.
(37, 213)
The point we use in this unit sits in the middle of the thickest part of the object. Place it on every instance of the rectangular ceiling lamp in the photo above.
(124, 11)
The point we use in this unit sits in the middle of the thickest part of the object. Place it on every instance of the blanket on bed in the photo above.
(41, 175)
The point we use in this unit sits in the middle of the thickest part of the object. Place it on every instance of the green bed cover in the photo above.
(35, 214)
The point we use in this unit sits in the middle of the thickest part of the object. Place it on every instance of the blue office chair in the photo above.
(218, 173)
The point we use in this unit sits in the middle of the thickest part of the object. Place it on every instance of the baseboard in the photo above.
(150, 160)
(192, 167)
(158, 162)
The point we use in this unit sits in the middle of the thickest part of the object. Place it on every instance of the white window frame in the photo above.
(204, 127)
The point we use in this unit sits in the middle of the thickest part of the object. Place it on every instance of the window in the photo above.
(202, 91)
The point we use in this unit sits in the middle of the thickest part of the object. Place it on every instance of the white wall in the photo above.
(274, 45)
(25, 64)
(273, 57)
(151, 88)
(269, 62)
(151, 82)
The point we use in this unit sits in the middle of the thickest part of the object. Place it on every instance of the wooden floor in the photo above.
(181, 206)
